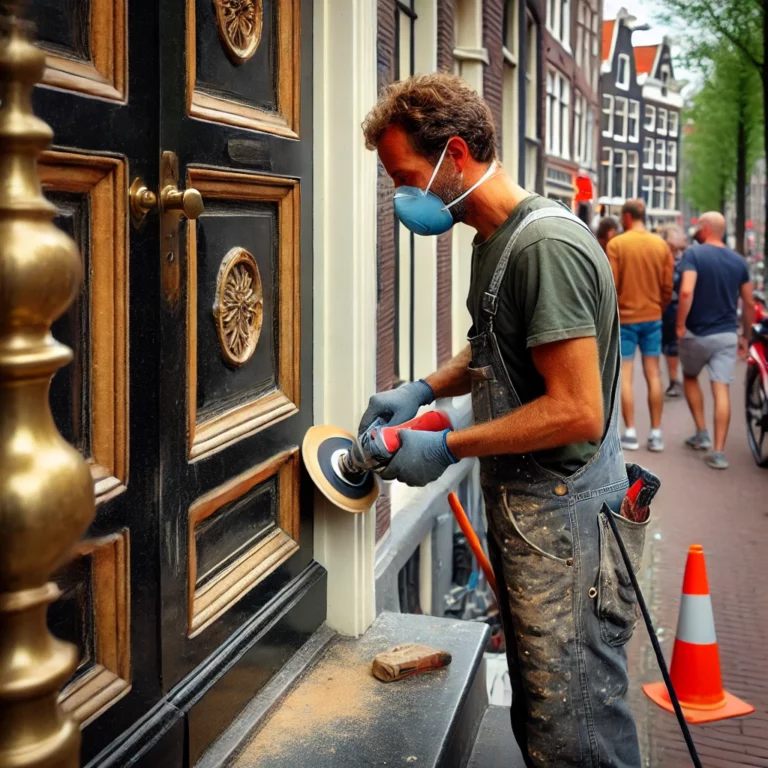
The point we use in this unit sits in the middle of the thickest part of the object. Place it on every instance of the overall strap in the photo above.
(491, 296)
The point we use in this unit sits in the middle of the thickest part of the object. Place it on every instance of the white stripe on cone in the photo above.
(696, 623)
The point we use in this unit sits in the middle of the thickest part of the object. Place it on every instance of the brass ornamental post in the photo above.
(46, 492)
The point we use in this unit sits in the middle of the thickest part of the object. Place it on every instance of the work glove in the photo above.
(421, 458)
(396, 405)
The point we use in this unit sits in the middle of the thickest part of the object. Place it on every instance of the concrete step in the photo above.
(495, 746)
(339, 716)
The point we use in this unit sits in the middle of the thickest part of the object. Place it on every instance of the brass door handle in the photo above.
(189, 202)
(143, 200)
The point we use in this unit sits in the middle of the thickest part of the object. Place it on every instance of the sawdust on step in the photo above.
(338, 699)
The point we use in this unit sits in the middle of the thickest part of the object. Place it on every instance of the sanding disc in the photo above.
(320, 450)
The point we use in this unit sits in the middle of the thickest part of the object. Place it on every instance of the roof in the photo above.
(645, 58)
(607, 38)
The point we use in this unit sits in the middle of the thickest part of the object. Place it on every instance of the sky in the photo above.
(646, 11)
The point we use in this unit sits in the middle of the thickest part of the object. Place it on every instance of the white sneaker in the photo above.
(629, 443)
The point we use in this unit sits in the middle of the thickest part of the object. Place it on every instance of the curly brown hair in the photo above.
(433, 109)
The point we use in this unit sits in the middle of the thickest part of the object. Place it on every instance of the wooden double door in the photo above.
(182, 166)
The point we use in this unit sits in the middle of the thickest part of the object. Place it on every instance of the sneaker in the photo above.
(629, 443)
(656, 443)
(674, 390)
(700, 441)
(717, 460)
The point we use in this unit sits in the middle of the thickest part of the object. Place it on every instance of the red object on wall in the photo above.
(584, 191)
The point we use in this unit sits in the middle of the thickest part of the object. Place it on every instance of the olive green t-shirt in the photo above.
(558, 285)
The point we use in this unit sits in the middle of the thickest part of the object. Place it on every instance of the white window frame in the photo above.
(577, 126)
(625, 84)
(621, 111)
(578, 52)
(633, 162)
(674, 122)
(648, 153)
(594, 34)
(660, 163)
(634, 107)
(565, 118)
(647, 187)
(619, 162)
(589, 139)
(550, 102)
(662, 113)
(649, 118)
(606, 162)
(608, 131)
(510, 90)
(672, 156)
(660, 189)
(565, 24)
(671, 193)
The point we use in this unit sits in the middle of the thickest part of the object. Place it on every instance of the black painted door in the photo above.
(191, 385)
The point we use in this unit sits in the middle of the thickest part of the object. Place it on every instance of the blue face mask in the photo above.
(423, 212)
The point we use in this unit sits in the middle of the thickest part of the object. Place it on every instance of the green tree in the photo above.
(727, 134)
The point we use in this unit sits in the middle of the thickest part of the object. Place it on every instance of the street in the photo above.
(726, 512)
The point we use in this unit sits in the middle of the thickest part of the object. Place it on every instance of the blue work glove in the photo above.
(421, 458)
(396, 405)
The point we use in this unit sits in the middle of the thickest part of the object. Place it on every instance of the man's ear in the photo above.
(458, 152)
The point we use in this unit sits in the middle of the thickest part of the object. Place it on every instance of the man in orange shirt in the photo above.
(643, 268)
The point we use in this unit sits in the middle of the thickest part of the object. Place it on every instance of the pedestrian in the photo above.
(677, 242)
(642, 268)
(607, 229)
(543, 367)
(713, 279)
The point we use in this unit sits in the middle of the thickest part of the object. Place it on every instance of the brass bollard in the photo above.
(46, 492)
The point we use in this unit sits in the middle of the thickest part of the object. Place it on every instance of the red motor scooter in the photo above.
(756, 398)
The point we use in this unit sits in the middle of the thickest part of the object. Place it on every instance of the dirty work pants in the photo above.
(568, 609)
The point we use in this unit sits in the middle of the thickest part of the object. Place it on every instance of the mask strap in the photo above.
(487, 175)
(437, 168)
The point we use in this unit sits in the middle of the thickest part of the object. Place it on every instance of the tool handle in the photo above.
(431, 421)
(474, 542)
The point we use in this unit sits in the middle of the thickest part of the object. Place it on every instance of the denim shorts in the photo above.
(717, 351)
(646, 335)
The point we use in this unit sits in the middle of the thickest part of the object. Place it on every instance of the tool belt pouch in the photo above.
(615, 599)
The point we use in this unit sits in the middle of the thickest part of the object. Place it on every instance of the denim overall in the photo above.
(566, 601)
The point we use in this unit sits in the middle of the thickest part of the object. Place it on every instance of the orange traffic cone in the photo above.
(695, 670)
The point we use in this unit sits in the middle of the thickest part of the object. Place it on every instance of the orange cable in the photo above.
(474, 542)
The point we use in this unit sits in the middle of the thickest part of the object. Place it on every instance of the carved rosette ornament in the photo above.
(46, 491)
(239, 306)
(240, 27)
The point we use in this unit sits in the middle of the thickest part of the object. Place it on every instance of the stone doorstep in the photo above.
(334, 713)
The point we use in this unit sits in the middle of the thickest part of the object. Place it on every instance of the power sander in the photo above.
(345, 468)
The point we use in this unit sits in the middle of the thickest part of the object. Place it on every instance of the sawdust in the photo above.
(339, 698)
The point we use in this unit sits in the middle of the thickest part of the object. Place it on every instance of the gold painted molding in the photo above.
(239, 24)
(46, 490)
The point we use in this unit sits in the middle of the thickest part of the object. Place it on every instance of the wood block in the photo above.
(407, 660)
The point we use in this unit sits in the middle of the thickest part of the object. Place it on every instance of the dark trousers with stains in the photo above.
(568, 609)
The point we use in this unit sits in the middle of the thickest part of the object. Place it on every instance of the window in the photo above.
(620, 119)
(558, 115)
(605, 171)
(648, 154)
(589, 140)
(650, 118)
(607, 115)
(633, 128)
(559, 20)
(661, 126)
(661, 155)
(585, 42)
(622, 73)
(577, 126)
(531, 103)
(510, 99)
(579, 52)
(674, 118)
(619, 173)
(664, 79)
(659, 189)
(632, 159)
(671, 155)
(646, 190)
(594, 35)
(671, 194)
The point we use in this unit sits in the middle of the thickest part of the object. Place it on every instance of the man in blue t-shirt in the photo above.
(713, 279)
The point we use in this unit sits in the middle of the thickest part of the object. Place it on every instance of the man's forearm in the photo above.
(452, 379)
(683, 308)
(537, 426)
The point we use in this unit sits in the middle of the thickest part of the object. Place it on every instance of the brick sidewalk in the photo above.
(726, 512)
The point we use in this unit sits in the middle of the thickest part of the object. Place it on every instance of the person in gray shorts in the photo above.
(713, 279)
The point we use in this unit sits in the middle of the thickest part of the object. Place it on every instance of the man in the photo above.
(713, 278)
(543, 369)
(642, 268)
(607, 229)
(675, 239)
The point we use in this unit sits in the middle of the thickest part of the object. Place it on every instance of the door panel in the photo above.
(103, 111)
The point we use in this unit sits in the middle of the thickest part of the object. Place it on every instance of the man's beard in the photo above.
(448, 186)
